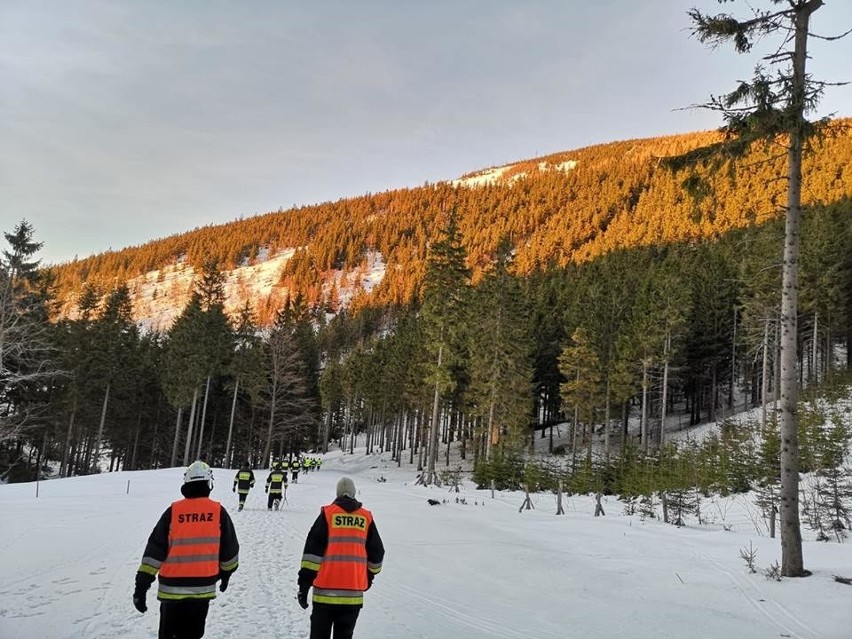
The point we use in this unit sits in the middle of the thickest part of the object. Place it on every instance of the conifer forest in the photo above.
(589, 303)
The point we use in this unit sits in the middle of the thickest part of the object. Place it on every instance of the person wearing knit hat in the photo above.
(346, 487)
(343, 553)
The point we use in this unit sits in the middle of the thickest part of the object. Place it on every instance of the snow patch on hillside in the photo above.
(160, 296)
(361, 280)
(489, 176)
(497, 174)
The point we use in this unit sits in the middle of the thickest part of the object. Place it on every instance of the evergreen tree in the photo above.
(762, 111)
(115, 337)
(27, 341)
(581, 391)
(291, 408)
(246, 368)
(500, 362)
(444, 299)
(184, 368)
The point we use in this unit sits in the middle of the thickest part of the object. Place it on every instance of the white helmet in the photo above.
(198, 471)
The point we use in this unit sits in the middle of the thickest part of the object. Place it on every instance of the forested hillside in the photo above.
(589, 291)
(555, 210)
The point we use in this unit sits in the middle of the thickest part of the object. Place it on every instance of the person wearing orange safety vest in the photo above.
(193, 546)
(343, 552)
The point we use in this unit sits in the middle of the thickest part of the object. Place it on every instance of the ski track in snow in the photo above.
(789, 624)
(474, 570)
(450, 610)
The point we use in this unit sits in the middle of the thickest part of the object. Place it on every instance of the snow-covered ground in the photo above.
(473, 570)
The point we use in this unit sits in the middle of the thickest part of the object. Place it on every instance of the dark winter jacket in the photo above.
(317, 542)
(276, 481)
(158, 548)
(244, 480)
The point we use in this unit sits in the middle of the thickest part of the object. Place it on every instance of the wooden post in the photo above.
(598, 506)
(527, 504)
(559, 509)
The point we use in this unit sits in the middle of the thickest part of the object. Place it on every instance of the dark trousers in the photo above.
(341, 618)
(183, 619)
(272, 498)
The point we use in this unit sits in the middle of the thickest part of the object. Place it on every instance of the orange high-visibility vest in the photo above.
(344, 565)
(194, 536)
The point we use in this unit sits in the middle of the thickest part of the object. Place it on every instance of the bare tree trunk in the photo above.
(66, 453)
(412, 430)
(177, 438)
(606, 421)
(433, 434)
(231, 423)
(644, 426)
(764, 381)
(267, 448)
(490, 437)
(136, 441)
(814, 372)
(203, 417)
(776, 375)
(97, 453)
(733, 365)
(574, 428)
(792, 563)
(189, 427)
(326, 432)
(665, 399)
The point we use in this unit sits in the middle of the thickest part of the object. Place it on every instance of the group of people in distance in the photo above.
(194, 546)
(276, 481)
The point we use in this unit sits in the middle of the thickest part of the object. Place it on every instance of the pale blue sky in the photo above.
(124, 121)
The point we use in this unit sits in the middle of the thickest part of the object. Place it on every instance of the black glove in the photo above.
(370, 577)
(234, 489)
(139, 600)
(224, 578)
(303, 600)
(266, 490)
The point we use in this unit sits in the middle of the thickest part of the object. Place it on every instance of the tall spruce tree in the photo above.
(184, 368)
(115, 340)
(500, 354)
(768, 109)
(28, 360)
(246, 367)
(445, 291)
(291, 407)
(581, 391)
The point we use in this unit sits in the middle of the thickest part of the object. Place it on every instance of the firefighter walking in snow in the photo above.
(343, 552)
(276, 482)
(243, 483)
(193, 546)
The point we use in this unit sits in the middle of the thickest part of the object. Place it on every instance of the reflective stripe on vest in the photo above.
(342, 575)
(194, 537)
(276, 481)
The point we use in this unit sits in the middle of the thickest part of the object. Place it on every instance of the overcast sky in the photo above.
(124, 121)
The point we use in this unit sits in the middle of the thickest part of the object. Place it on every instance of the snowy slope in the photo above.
(160, 296)
(473, 570)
